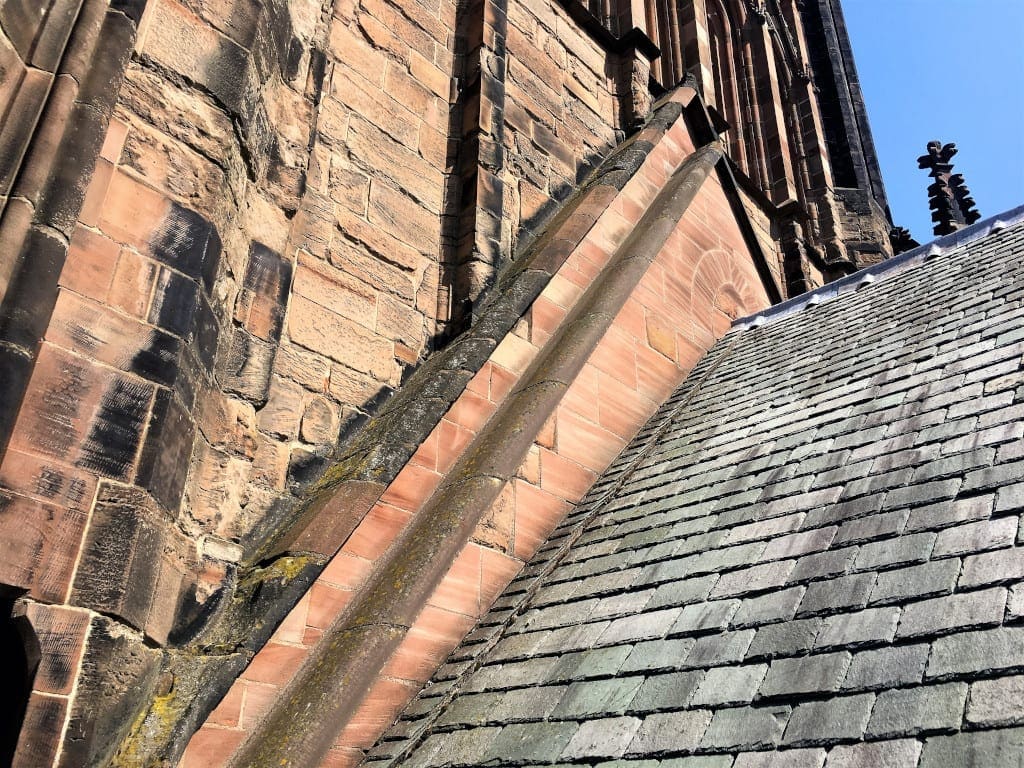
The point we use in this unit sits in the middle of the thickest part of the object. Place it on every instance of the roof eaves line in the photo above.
(887, 268)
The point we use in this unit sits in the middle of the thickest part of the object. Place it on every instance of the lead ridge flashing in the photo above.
(885, 269)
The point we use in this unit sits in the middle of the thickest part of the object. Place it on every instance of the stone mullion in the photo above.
(759, 162)
(782, 186)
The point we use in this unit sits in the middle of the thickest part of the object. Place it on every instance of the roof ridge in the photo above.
(893, 266)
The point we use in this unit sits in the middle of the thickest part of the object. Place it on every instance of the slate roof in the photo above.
(812, 555)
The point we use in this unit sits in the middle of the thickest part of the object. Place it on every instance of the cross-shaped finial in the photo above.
(948, 197)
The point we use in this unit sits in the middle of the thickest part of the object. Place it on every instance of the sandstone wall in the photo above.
(264, 248)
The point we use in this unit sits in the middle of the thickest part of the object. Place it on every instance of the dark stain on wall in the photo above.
(174, 303)
(187, 242)
(113, 441)
(165, 457)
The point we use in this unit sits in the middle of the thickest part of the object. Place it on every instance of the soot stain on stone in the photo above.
(49, 482)
(113, 440)
(158, 360)
(174, 304)
(182, 239)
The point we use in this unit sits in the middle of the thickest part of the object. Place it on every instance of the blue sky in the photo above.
(943, 69)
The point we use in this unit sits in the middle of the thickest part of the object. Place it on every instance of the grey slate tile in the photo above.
(594, 698)
(997, 702)
(912, 711)
(1015, 603)
(515, 647)
(981, 651)
(976, 537)
(785, 758)
(950, 512)
(577, 638)
(879, 483)
(873, 527)
(704, 617)
(683, 592)
(823, 564)
(898, 753)
(597, 662)
(821, 673)
(993, 567)
(670, 732)
(608, 737)
(941, 614)
(905, 550)
(718, 560)
(797, 544)
(696, 761)
(729, 685)
(527, 742)
(534, 703)
(1010, 498)
(922, 493)
(456, 748)
(836, 594)
(844, 510)
(994, 477)
(664, 692)
(746, 728)
(606, 583)
(776, 526)
(836, 719)
(471, 709)
(617, 605)
(785, 639)
(753, 579)
(805, 502)
(980, 749)
(658, 655)
(918, 581)
(642, 626)
(723, 648)
(850, 630)
(779, 605)
(666, 571)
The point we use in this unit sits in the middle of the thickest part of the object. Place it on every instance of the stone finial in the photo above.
(948, 197)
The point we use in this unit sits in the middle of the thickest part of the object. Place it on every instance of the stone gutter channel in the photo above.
(577, 525)
(302, 724)
(295, 546)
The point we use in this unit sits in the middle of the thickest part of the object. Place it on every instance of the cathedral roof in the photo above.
(813, 552)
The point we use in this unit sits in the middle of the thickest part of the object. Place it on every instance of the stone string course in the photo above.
(812, 556)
